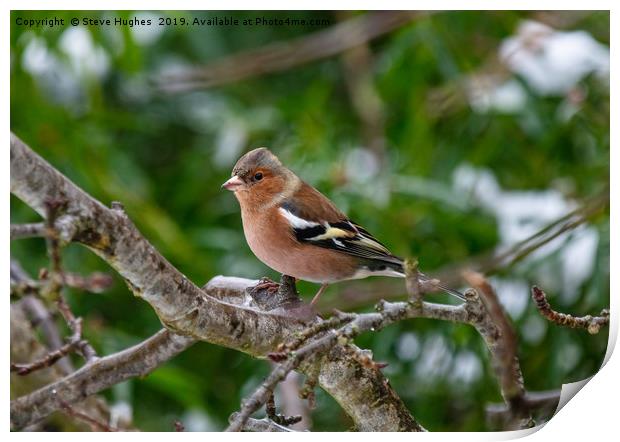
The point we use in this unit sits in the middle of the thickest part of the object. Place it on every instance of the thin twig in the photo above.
(291, 402)
(21, 283)
(280, 56)
(94, 423)
(265, 390)
(303, 336)
(280, 419)
(53, 356)
(31, 230)
(591, 323)
(96, 282)
(56, 279)
(38, 313)
(42, 318)
(53, 206)
(564, 224)
(365, 100)
(412, 281)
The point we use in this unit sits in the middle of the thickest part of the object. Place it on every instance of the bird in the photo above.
(296, 230)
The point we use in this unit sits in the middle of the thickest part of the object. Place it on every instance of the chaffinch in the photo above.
(297, 231)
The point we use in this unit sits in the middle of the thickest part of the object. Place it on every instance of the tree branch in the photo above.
(91, 421)
(495, 328)
(22, 284)
(281, 56)
(321, 337)
(181, 306)
(280, 419)
(40, 317)
(564, 224)
(53, 356)
(226, 312)
(25, 345)
(96, 376)
(357, 295)
(540, 403)
(482, 311)
(32, 230)
(591, 323)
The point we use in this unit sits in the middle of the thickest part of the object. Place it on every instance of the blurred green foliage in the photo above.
(164, 156)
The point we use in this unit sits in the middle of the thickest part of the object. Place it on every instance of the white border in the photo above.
(589, 416)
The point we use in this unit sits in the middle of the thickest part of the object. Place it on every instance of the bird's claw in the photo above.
(267, 284)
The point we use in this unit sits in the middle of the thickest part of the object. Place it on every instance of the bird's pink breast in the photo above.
(271, 239)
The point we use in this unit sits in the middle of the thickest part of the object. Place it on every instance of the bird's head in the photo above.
(258, 177)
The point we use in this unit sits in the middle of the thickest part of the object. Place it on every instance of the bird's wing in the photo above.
(315, 220)
(310, 204)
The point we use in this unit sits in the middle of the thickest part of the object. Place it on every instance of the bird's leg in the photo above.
(288, 288)
(319, 293)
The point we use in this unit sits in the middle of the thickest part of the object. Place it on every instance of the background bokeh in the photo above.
(448, 137)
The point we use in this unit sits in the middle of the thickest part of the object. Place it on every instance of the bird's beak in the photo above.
(233, 184)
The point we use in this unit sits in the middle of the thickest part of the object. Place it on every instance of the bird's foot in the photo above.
(270, 295)
(266, 284)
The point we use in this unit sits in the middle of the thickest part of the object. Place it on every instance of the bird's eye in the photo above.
(258, 176)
